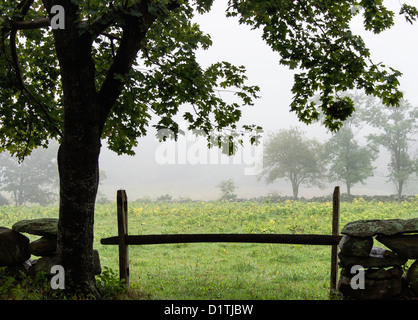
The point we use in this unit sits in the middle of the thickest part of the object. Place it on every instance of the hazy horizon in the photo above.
(143, 175)
(241, 46)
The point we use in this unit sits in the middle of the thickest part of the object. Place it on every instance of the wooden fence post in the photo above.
(335, 232)
(122, 203)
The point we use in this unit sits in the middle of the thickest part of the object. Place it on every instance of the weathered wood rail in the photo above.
(312, 239)
(123, 240)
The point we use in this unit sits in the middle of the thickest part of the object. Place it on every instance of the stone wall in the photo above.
(371, 272)
(16, 249)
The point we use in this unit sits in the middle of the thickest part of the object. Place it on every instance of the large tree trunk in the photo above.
(79, 174)
(85, 112)
(78, 157)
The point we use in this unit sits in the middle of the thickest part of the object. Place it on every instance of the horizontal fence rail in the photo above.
(306, 239)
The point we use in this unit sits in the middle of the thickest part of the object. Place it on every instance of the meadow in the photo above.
(224, 270)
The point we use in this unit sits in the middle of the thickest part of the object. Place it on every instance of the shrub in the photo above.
(109, 284)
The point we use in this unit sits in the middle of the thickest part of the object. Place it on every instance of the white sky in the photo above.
(238, 44)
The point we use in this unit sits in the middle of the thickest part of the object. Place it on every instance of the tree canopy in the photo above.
(158, 72)
(136, 75)
(290, 154)
(350, 162)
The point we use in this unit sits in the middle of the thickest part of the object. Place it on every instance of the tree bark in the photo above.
(79, 177)
(295, 185)
(78, 163)
(348, 188)
(78, 189)
(400, 189)
(20, 193)
(15, 198)
(78, 156)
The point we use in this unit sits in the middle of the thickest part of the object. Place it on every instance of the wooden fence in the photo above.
(124, 240)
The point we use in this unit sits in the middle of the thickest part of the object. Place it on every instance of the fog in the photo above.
(187, 169)
(152, 172)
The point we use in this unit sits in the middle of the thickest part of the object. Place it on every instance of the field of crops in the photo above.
(225, 270)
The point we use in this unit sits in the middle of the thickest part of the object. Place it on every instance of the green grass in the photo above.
(225, 270)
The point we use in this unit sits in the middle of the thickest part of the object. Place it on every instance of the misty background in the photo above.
(147, 174)
(142, 175)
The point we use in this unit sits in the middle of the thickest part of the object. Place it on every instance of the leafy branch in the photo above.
(16, 24)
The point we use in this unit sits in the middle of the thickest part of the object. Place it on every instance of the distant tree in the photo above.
(289, 154)
(165, 198)
(397, 134)
(101, 197)
(35, 180)
(350, 162)
(227, 188)
(3, 200)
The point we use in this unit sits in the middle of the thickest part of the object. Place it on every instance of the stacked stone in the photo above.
(383, 270)
(16, 249)
(44, 247)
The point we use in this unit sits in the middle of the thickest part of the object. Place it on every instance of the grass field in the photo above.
(225, 270)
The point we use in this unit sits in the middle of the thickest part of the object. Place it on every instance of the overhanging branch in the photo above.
(33, 24)
(16, 66)
(24, 6)
(134, 31)
(99, 25)
(19, 24)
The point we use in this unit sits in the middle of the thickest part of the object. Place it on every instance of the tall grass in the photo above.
(225, 270)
